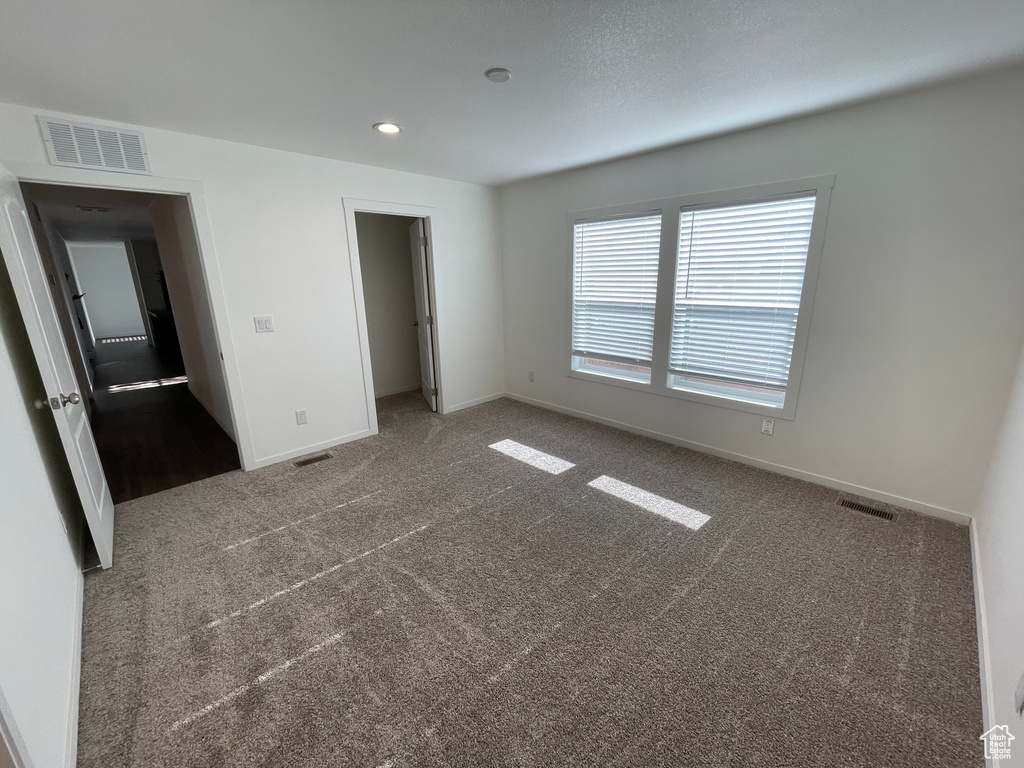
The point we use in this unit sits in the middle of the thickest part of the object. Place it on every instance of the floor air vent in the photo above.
(312, 460)
(873, 511)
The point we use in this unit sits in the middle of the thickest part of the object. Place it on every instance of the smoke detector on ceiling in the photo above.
(100, 147)
(498, 75)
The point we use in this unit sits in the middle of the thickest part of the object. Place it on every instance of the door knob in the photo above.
(415, 323)
(73, 398)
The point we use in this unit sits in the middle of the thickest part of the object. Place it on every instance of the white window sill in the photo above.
(786, 413)
(605, 378)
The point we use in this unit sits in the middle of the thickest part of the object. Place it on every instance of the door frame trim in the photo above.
(11, 738)
(137, 279)
(194, 192)
(429, 214)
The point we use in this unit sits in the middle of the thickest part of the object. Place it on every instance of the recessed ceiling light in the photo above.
(387, 127)
(498, 75)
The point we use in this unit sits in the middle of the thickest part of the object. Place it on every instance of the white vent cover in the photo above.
(95, 146)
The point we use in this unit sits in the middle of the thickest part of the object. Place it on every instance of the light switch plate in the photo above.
(264, 324)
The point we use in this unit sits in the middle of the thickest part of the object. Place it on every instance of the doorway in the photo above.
(118, 269)
(396, 271)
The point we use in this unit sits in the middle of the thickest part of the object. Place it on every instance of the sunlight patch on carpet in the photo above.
(677, 513)
(533, 457)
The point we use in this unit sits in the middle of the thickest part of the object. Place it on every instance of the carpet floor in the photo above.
(420, 599)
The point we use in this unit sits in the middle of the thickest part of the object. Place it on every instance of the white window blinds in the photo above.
(739, 277)
(615, 282)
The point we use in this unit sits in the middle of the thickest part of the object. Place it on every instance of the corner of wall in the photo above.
(13, 751)
(981, 620)
(499, 195)
(71, 751)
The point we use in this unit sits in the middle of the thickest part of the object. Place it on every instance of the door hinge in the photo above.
(430, 320)
(433, 391)
(423, 242)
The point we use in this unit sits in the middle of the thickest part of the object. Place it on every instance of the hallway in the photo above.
(151, 432)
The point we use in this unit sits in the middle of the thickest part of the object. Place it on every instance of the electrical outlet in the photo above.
(264, 324)
(300, 417)
(768, 426)
(530, 374)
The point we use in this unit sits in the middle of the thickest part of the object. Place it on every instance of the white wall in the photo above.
(1000, 547)
(385, 259)
(105, 276)
(278, 228)
(147, 260)
(918, 318)
(193, 317)
(40, 578)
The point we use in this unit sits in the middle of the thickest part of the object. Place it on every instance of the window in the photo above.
(739, 275)
(615, 282)
(714, 306)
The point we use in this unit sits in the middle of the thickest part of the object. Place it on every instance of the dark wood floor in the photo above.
(157, 436)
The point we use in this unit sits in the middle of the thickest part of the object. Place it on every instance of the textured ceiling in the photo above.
(119, 223)
(592, 79)
(127, 215)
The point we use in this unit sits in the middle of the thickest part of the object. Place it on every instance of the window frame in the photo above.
(609, 216)
(670, 209)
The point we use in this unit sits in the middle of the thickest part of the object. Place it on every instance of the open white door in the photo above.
(62, 399)
(424, 320)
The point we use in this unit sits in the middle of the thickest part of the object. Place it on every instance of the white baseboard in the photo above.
(397, 390)
(478, 401)
(268, 460)
(981, 618)
(829, 482)
(76, 678)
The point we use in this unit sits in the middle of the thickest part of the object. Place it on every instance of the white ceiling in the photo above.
(592, 79)
(121, 222)
(126, 215)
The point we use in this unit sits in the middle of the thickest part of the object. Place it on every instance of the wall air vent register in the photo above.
(100, 147)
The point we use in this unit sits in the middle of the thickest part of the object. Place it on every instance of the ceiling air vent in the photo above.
(95, 146)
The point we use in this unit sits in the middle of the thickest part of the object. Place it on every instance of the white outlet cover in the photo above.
(300, 417)
(768, 426)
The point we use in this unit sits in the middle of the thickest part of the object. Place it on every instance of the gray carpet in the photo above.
(422, 600)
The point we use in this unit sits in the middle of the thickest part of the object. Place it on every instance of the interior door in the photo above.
(62, 398)
(424, 321)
